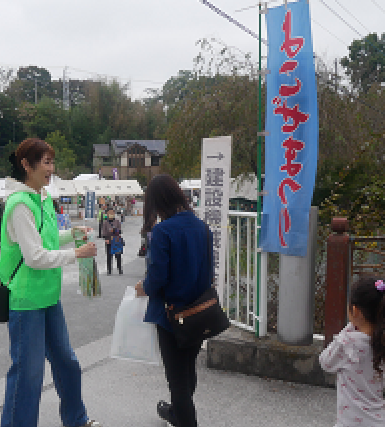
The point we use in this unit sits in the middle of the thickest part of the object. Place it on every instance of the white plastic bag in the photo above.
(134, 339)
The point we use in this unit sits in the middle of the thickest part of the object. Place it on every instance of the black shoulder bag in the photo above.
(4, 290)
(202, 319)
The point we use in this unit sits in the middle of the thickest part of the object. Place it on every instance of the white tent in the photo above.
(246, 189)
(109, 187)
(190, 184)
(60, 188)
(129, 187)
(87, 176)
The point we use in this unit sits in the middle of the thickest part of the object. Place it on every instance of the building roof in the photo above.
(156, 146)
(101, 150)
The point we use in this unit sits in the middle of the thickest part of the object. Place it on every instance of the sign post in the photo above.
(215, 178)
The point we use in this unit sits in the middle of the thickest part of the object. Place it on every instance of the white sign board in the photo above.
(215, 178)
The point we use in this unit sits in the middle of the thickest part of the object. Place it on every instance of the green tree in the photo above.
(84, 133)
(65, 158)
(365, 64)
(215, 104)
(11, 128)
(44, 118)
(141, 178)
(5, 152)
(22, 89)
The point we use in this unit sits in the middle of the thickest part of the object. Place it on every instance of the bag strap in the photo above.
(22, 259)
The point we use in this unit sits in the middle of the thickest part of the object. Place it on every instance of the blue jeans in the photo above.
(35, 335)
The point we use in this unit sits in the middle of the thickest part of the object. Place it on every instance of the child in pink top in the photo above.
(357, 355)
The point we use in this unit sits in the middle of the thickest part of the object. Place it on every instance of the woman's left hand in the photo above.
(81, 229)
(139, 289)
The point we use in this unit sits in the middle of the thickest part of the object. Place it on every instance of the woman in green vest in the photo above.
(30, 265)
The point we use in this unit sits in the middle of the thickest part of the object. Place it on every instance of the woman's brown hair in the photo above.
(371, 302)
(163, 197)
(31, 149)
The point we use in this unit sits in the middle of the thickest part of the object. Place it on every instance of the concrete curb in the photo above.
(240, 351)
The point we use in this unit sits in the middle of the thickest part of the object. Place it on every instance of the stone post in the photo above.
(297, 290)
(336, 278)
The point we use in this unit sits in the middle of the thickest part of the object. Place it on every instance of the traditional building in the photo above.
(129, 158)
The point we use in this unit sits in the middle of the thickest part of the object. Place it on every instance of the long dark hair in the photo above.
(163, 197)
(371, 301)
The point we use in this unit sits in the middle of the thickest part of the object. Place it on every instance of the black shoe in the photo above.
(120, 271)
(165, 412)
(108, 273)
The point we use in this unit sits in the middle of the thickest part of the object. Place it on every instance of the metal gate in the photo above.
(245, 291)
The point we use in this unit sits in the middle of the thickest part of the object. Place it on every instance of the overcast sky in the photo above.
(148, 41)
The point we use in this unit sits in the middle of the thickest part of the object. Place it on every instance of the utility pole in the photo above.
(335, 75)
(66, 91)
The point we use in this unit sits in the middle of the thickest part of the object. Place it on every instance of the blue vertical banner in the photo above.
(90, 204)
(291, 148)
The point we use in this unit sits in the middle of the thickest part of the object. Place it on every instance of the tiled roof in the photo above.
(153, 145)
(101, 150)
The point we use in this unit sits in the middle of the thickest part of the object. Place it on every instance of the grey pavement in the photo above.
(125, 393)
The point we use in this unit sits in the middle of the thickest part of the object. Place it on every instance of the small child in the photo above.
(116, 249)
(357, 355)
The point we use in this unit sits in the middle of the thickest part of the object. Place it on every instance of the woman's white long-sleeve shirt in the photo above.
(360, 400)
(21, 229)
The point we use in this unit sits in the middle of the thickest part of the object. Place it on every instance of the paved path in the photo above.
(123, 393)
(89, 320)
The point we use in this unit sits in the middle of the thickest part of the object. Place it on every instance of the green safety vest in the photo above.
(31, 289)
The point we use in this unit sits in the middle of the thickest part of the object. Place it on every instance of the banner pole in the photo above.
(259, 162)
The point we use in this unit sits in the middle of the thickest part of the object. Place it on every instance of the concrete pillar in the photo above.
(337, 272)
(297, 290)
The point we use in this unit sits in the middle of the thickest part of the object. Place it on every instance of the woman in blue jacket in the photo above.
(178, 273)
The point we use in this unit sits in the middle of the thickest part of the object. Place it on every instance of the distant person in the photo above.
(133, 201)
(121, 211)
(357, 356)
(108, 228)
(178, 273)
(101, 217)
(117, 244)
(146, 232)
(56, 206)
(30, 265)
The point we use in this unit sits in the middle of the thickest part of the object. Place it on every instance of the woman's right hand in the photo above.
(86, 251)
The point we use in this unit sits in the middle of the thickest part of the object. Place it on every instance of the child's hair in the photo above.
(371, 301)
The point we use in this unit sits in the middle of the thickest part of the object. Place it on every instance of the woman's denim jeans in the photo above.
(36, 335)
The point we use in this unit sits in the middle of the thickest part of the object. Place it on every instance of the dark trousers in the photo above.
(109, 259)
(100, 229)
(180, 367)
